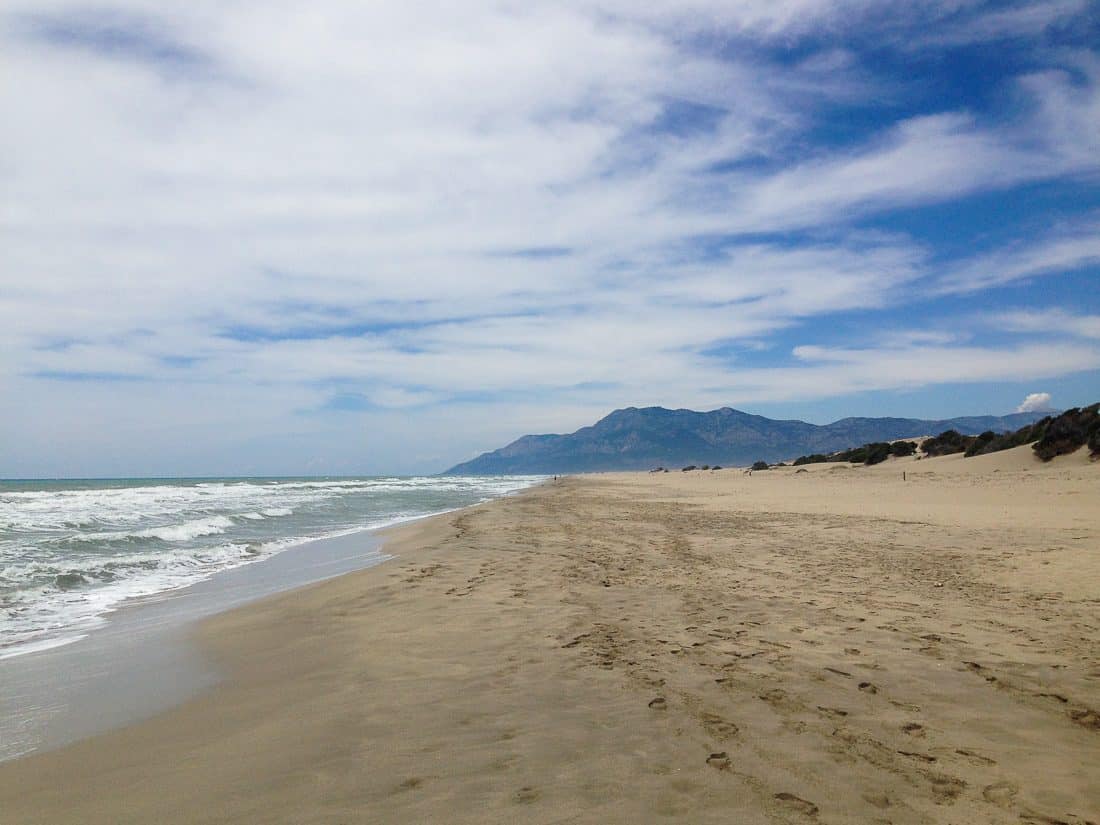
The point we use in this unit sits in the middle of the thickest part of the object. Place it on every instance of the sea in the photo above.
(74, 551)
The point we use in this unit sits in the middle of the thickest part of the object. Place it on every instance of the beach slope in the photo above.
(837, 645)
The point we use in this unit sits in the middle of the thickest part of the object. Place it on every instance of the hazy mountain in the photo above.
(638, 439)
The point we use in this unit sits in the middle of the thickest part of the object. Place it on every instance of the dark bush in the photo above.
(816, 458)
(946, 443)
(688, 468)
(903, 448)
(1069, 431)
(1050, 437)
(1036, 431)
(867, 454)
(760, 465)
(877, 453)
(856, 455)
(989, 442)
(979, 444)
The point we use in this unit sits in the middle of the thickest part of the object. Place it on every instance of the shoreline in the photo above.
(83, 551)
(58, 690)
(774, 648)
(143, 660)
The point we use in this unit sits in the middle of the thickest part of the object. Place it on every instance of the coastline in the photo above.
(144, 659)
(117, 665)
(781, 647)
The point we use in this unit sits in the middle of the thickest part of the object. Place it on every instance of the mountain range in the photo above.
(642, 438)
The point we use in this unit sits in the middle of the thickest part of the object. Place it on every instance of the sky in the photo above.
(343, 238)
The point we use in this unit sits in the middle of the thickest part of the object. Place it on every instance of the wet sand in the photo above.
(837, 645)
(142, 661)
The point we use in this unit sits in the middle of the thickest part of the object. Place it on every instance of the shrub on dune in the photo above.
(979, 444)
(1069, 431)
(903, 448)
(946, 443)
(877, 453)
(816, 458)
(873, 453)
(1051, 436)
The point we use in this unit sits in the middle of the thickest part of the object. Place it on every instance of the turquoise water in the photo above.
(73, 551)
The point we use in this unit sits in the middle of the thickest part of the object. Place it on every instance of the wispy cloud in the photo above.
(999, 21)
(1065, 249)
(522, 212)
(1051, 321)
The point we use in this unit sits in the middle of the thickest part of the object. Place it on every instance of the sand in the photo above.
(837, 645)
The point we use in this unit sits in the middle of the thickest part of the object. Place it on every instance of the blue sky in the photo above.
(335, 237)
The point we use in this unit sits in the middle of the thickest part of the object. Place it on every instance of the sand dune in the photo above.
(832, 646)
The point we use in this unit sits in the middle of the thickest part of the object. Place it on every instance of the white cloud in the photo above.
(921, 21)
(998, 23)
(1048, 321)
(299, 202)
(934, 158)
(1035, 402)
(1066, 248)
(839, 370)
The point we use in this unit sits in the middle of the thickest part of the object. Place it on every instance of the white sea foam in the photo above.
(212, 526)
(70, 554)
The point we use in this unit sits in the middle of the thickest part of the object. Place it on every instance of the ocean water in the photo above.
(73, 551)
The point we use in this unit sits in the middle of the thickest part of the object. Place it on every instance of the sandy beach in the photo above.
(835, 645)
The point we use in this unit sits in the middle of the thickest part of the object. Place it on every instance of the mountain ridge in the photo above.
(638, 438)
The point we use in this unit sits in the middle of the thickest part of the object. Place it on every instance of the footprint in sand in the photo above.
(527, 795)
(867, 687)
(924, 757)
(719, 760)
(659, 703)
(909, 706)
(946, 788)
(1000, 793)
(1043, 819)
(781, 700)
(974, 757)
(718, 727)
(797, 803)
(979, 669)
(879, 800)
(1086, 717)
(913, 729)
